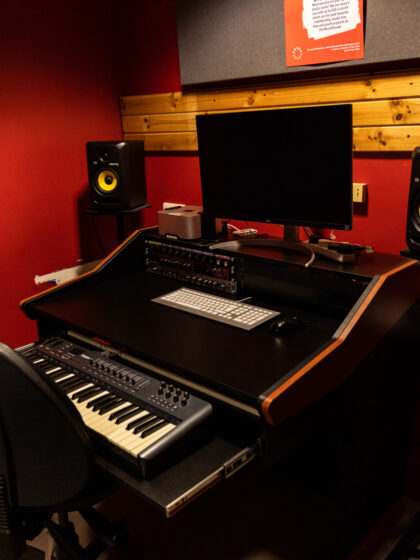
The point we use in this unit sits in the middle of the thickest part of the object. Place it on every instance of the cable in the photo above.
(275, 243)
(231, 226)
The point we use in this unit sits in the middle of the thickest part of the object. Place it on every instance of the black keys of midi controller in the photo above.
(134, 415)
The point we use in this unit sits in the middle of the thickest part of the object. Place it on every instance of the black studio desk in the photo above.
(347, 374)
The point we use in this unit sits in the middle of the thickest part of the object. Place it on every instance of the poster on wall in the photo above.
(322, 31)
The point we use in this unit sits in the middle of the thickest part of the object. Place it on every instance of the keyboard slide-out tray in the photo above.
(183, 482)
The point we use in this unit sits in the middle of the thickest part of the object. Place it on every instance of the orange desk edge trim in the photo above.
(269, 400)
(95, 269)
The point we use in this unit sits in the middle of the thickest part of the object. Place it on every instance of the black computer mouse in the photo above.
(284, 326)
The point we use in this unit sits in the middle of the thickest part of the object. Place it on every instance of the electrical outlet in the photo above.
(359, 192)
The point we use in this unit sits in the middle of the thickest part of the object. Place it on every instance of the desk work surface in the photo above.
(241, 363)
(335, 302)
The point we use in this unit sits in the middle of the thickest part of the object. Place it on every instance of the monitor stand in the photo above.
(290, 242)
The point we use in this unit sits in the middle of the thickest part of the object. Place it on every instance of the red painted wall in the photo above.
(62, 70)
(58, 88)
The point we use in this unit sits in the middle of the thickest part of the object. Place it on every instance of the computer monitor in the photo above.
(283, 166)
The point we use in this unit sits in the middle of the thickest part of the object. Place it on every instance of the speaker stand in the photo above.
(119, 214)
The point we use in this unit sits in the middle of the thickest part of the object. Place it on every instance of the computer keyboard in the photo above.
(235, 313)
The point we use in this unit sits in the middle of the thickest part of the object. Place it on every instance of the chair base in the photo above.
(67, 546)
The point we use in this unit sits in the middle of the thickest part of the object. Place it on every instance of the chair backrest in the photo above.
(46, 457)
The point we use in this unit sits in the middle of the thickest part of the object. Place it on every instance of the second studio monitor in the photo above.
(117, 178)
(413, 210)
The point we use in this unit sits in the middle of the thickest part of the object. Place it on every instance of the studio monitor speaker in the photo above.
(117, 177)
(413, 211)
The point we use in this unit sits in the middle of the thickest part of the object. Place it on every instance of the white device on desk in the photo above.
(183, 222)
(235, 313)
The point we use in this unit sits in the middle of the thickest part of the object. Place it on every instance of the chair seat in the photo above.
(99, 488)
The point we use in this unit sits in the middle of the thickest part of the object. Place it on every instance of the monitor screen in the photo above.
(284, 166)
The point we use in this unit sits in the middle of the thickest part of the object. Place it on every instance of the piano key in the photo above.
(84, 387)
(119, 432)
(38, 361)
(86, 413)
(99, 394)
(110, 406)
(117, 413)
(128, 415)
(134, 423)
(104, 420)
(128, 441)
(151, 439)
(62, 379)
(29, 353)
(120, 408)
(53, 369)
(143, 444)
(100, 398)
(76, 384)
(45, 366)
(59, 375)
(150, 422)
(83, 406)
(88, 393)
(130, 436)
(104, 402)
(101, 425)
(106, 427)
(152, 429)
(82, 391)
(82, 411)
(67, 380)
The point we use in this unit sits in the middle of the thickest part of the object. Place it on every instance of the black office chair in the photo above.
(46, 466)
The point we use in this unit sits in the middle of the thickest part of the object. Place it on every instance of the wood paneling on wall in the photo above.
(386, 110)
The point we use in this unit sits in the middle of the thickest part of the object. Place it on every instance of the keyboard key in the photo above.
(128, 415)
(149, 431)
(135, 423)
(106, 400)
(146, 424)
(116, 414)
(99, 399)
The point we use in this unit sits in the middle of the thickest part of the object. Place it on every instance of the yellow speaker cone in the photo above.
(107, 180)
